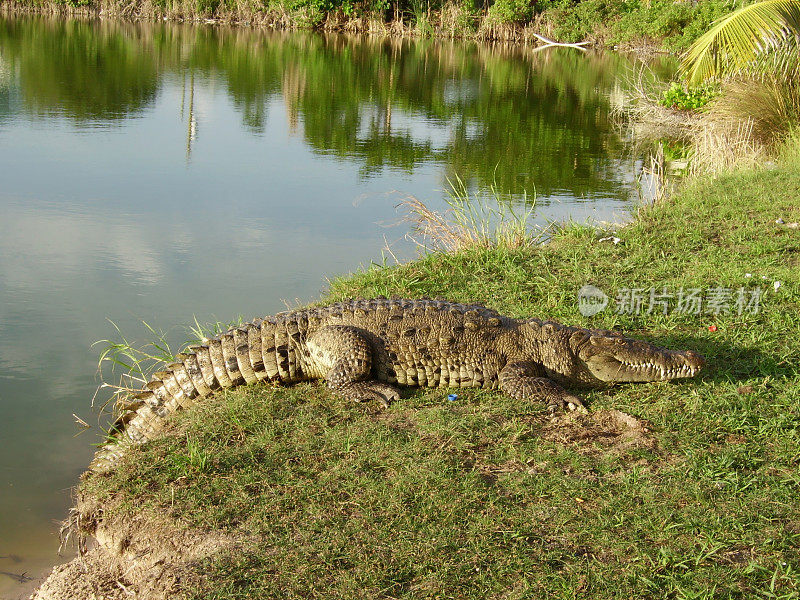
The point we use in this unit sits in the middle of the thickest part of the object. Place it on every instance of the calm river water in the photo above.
(162, 173)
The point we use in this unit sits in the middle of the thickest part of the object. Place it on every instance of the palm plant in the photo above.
(762, 38)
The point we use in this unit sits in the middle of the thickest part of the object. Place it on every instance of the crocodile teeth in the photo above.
(677, 371)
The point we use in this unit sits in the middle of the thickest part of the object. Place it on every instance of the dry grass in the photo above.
(790, 150)
(723, 145)
(771, 105)
(11, 7)
(470, 222)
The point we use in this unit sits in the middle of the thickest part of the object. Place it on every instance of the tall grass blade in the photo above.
(472, 220)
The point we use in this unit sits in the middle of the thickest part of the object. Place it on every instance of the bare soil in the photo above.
(601, 432)
(146, 556)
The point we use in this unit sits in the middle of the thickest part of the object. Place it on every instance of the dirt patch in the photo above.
(144, 556)
(601, 432)
(736, 556)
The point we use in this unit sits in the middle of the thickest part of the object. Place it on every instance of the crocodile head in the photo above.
(608, 357)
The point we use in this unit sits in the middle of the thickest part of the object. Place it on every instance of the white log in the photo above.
(548, 42)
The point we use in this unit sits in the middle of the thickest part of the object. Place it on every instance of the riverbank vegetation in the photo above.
(685, 489)
(663, 23)
(738, 95)
(754, 52)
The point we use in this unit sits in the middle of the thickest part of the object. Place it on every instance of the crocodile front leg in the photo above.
(523, 380)
(343, 356)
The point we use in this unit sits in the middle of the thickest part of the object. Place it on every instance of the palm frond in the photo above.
(782, 63)
(742, 39)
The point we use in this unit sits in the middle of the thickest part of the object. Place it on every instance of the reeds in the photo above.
(471, 221)
(452, 20)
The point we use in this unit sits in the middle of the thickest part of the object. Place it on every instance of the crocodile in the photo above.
(363, 348)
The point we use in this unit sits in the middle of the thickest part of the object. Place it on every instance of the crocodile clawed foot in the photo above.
(370, 391)
(566, 404)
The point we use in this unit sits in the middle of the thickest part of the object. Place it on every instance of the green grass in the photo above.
(484, 497)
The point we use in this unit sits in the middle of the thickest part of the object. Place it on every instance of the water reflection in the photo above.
(507, 117)
(67, 68)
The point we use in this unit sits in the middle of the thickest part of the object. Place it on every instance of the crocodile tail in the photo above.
(256, 351)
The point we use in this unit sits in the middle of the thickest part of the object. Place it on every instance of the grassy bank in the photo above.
(679, 490)
(668, 23)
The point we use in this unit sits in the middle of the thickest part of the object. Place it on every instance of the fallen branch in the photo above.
(548, 43)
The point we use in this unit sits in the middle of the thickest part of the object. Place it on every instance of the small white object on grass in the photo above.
(611, 238)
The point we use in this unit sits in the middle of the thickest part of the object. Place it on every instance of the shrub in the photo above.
(702, 17)
(693, 98)
(310, 13)
(510, 11)
(207, 7)
(771, 104)
(675, 24)
(574, 21)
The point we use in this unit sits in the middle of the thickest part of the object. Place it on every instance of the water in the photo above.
(158, 173)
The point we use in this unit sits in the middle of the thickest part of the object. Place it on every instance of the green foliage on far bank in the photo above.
(485, 497)
(672, 23)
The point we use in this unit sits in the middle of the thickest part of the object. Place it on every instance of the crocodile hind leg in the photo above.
(523, 380)
(343, 356)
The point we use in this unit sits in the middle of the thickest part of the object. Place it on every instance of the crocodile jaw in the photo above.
(612, 359)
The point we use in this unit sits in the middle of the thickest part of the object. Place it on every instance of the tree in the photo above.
(761, 38)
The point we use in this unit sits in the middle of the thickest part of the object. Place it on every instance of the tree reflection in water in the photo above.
(504, 116)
